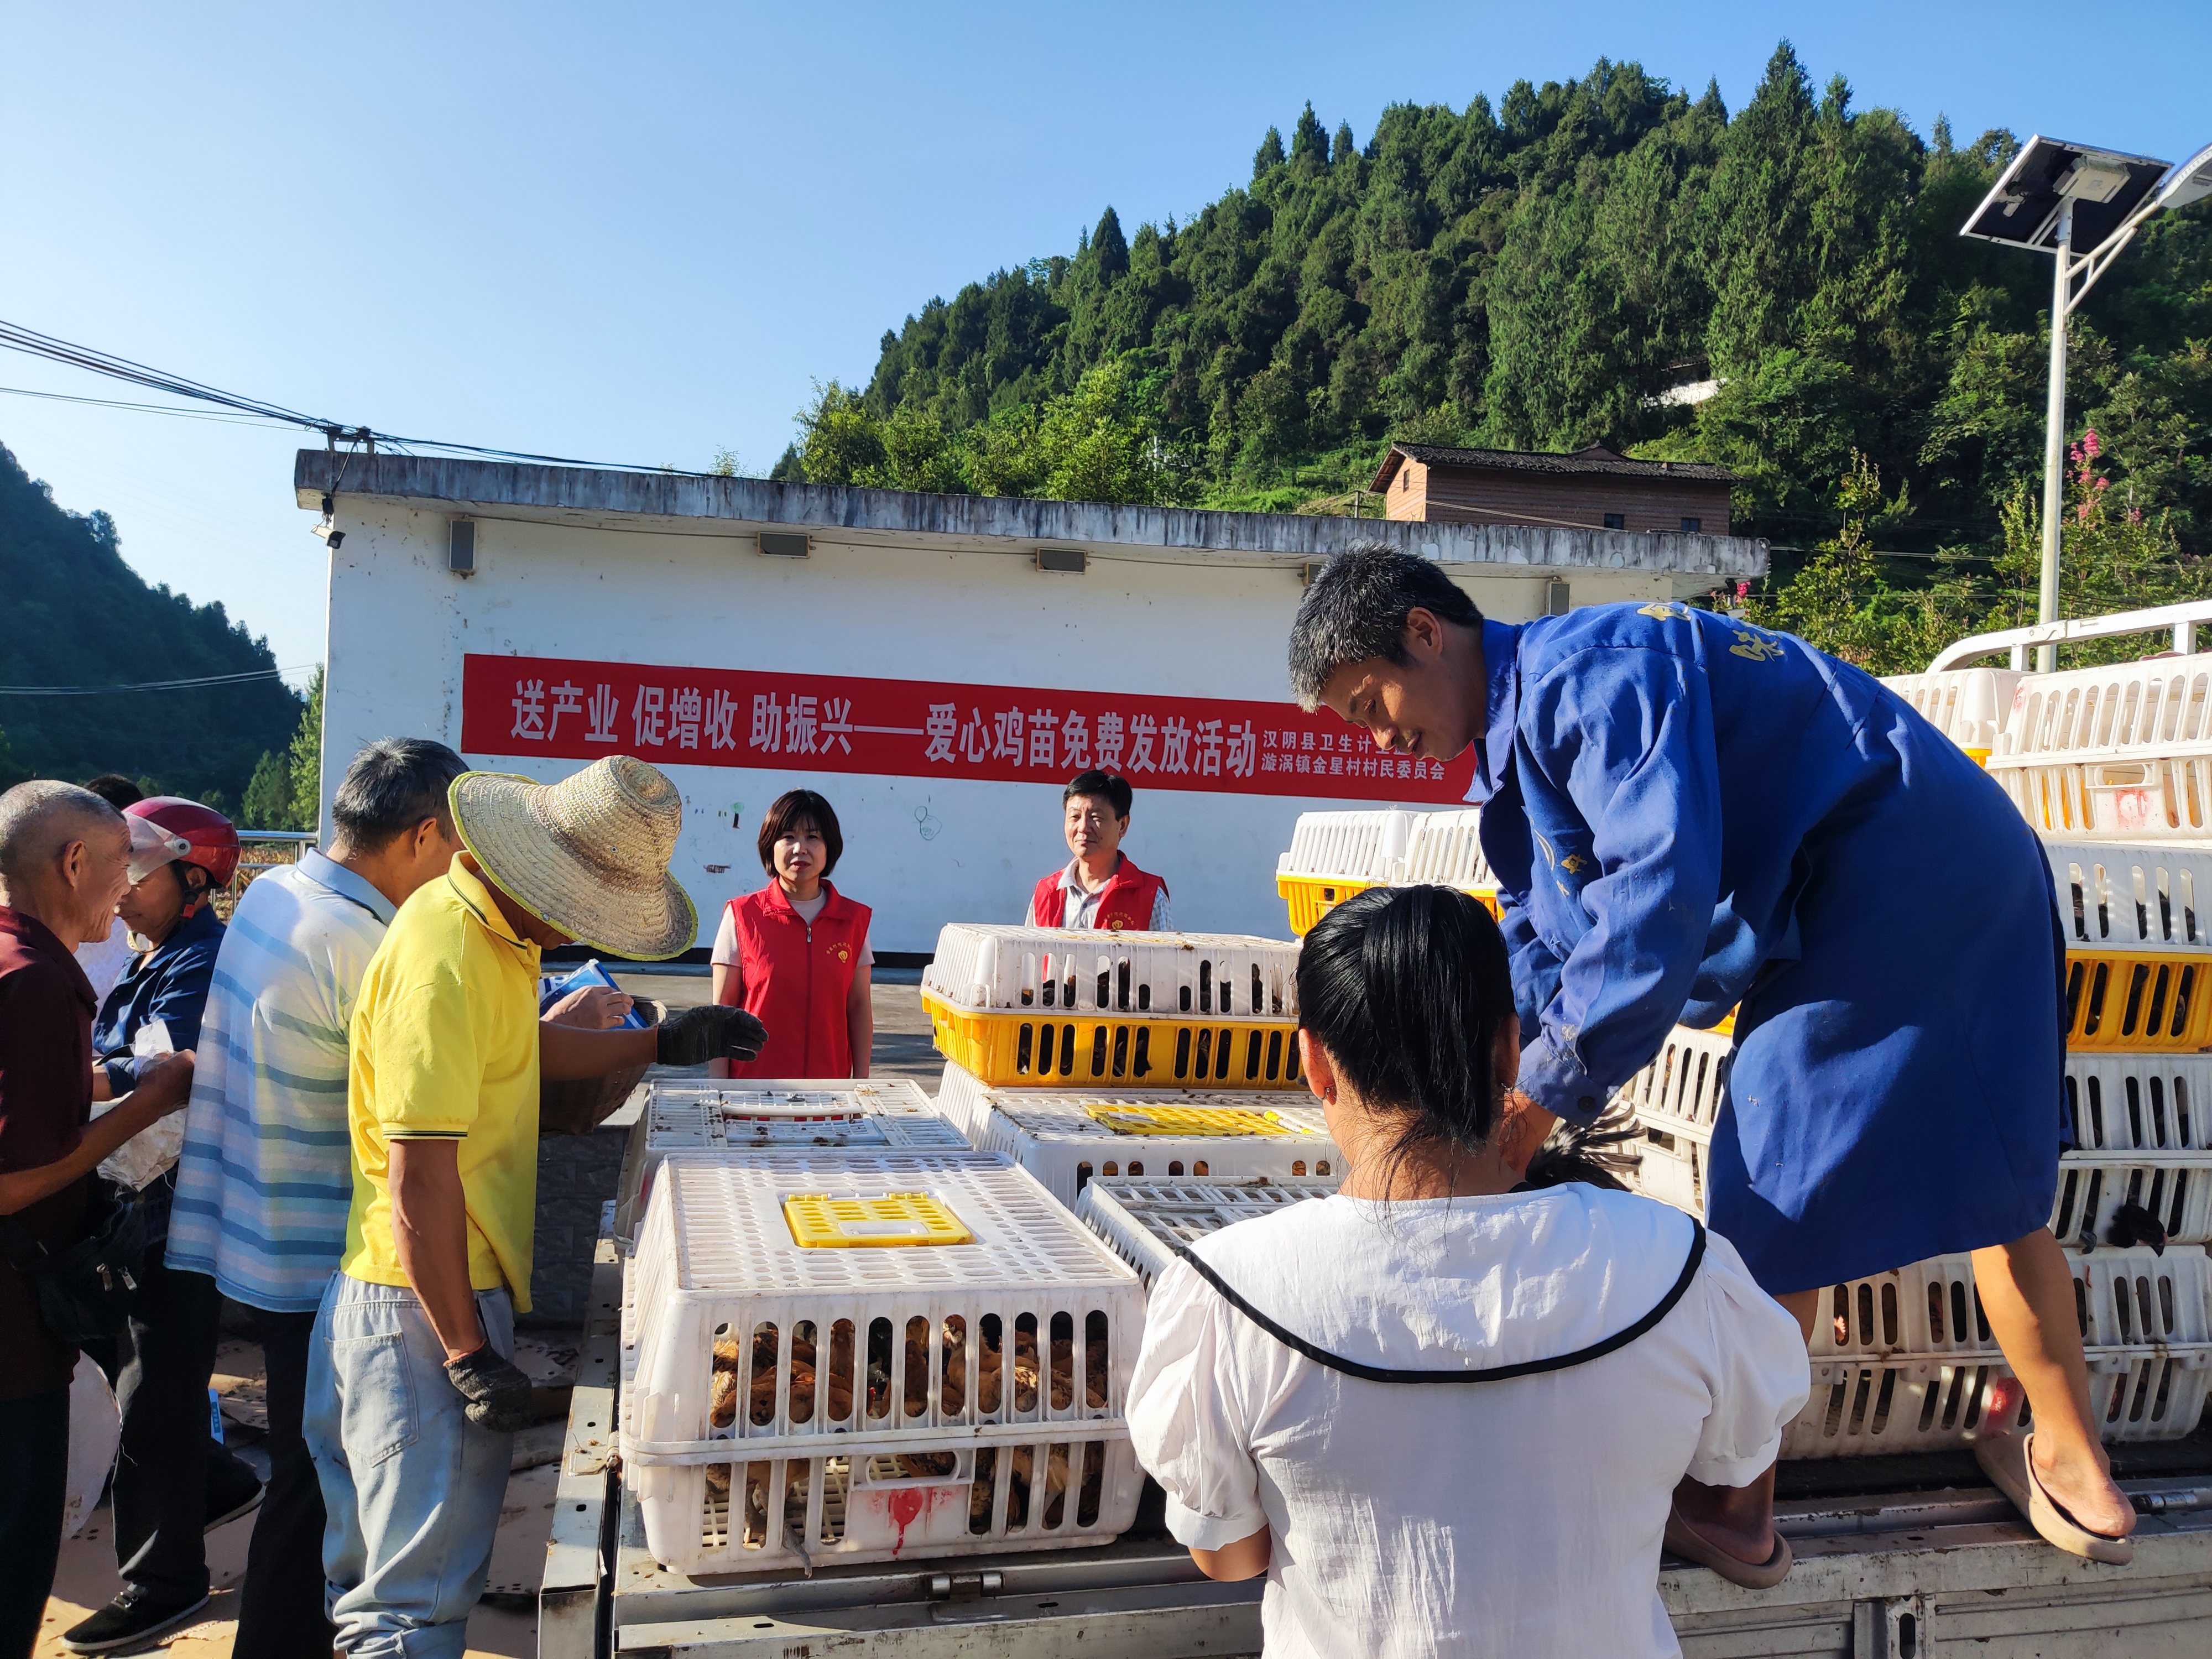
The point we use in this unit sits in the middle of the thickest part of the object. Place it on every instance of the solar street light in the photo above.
(2056, 197)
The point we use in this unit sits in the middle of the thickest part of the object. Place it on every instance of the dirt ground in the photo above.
(505, 1624)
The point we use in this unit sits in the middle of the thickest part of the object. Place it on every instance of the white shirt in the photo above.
(725, 953)
(1080, 909)
(1521, 1516)
(103, 959)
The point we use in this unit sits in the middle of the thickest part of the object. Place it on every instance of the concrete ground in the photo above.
(506, 1623)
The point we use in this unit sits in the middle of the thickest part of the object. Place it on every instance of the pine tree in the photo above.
(1109, 247)
(1342, 150)
(304, 760)
(1269, 155)
(267, 804)
(1308, 141)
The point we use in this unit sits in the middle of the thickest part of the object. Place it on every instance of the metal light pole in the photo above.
(2052, 196)
(2054, 440)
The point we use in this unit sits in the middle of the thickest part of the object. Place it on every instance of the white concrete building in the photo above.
(917, 659)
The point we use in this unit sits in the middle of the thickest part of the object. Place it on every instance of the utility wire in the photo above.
(143, 408)
(16, 337)
(147, 685)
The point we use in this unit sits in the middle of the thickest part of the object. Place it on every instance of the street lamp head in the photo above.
(2104, 187)
(2190, 182)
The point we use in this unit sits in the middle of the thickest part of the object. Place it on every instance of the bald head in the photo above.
(65, 857)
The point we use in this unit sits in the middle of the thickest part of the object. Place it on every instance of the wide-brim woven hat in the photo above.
(589, 856)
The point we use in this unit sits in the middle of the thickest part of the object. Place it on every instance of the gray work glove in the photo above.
(496, 1389)
(692, 1037)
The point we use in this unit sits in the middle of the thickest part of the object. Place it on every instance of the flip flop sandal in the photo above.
(1684, 1540)
(2008, 1460)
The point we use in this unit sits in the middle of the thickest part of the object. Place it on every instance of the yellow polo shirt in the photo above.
(444, 1046)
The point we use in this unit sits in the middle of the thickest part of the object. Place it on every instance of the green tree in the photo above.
(304, 760)
(267, 804)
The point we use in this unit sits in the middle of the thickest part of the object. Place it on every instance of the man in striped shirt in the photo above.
(266, 1177)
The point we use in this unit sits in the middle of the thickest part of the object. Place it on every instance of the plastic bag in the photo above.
(149, 1154)
(95, 1430)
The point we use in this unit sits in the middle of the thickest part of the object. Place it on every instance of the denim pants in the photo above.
(412, 1488)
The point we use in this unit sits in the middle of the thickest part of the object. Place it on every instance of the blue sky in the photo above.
(567, 229)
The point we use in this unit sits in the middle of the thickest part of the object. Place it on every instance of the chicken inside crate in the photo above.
(902, 1357)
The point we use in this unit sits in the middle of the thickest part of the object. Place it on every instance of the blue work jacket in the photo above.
(1685, 812)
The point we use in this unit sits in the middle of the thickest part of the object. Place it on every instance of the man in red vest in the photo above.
(1101, 887)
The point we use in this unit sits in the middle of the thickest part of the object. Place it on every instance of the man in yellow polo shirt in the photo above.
(413, 1396)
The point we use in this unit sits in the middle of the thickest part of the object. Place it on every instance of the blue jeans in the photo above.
(412, 1488)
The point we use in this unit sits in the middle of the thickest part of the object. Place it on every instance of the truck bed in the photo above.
(1897, 1557)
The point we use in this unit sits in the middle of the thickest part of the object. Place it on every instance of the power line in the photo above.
(150, 685)
(143, 408)
(16, 337)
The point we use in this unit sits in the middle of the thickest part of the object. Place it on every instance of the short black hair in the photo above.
(116, 790)
(1109, 787)
(792, 810)
(1356, 611)
(1406, 988)
(390, 787)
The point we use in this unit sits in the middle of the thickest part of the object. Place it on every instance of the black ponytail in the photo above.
(1407, 987)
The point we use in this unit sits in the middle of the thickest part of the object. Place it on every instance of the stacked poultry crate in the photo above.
(1902, 1361)
(1334, 855)
(848, 1336)
(1086, 1057)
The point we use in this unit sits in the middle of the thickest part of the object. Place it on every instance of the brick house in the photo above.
(1595, 488)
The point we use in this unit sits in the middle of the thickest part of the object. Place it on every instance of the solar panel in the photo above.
(2105, 186)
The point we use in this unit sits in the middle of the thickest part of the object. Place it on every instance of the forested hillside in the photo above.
(76, 614)
(1540, 274)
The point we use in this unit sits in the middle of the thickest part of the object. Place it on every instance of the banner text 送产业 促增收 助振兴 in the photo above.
(570, 710)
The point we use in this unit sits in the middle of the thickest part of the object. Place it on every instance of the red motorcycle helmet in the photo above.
(179, 832)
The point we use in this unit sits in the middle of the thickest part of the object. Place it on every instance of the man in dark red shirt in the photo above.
(65, 857)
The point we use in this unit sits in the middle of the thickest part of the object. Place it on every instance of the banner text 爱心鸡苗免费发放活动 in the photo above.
(570, 709)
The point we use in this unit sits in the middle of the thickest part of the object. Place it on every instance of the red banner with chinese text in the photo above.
(570, 709)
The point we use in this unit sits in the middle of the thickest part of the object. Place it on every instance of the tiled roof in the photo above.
(1596, 461)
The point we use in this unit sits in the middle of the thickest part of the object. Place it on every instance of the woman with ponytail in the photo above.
(1441, 1414)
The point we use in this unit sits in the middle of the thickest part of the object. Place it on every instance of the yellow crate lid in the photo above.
(819, 1222)
(1135, 1120)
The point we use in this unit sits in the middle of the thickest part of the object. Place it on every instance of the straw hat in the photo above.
(589, 856)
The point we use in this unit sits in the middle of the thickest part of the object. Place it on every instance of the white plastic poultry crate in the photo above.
(772, 1117)
(2115, 896)
(984, 967)
(943, 1371)
(2123, 750)
(1351, 847)
(1144, 1221)
(1446, 850)
(1935, 1403)
(1969, 706)
(1676, 1099)
(2129, 1102)
(2173, 1188)
(1067, 1138)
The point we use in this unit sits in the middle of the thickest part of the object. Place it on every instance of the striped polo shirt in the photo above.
(266, 1177)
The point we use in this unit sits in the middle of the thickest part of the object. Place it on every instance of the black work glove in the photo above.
(692, 1037)
(496, 1389)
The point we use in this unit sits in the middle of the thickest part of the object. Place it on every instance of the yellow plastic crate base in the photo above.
(1066, 1138)
(2154, 1001)
(1145, 1221)
(1312, 897)
(1038, 1048)
(789, 1408)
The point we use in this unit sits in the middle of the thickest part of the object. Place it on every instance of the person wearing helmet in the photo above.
(172, 1480)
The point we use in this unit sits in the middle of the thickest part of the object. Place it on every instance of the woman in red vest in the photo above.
(1101, 887)
(795, 955)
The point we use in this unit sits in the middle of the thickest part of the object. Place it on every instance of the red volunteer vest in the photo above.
(1127, 903)
(797, 978)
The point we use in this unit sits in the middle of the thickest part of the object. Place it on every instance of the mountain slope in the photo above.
(76, 614)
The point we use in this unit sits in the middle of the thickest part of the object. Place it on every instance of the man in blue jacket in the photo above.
(1685, 813)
